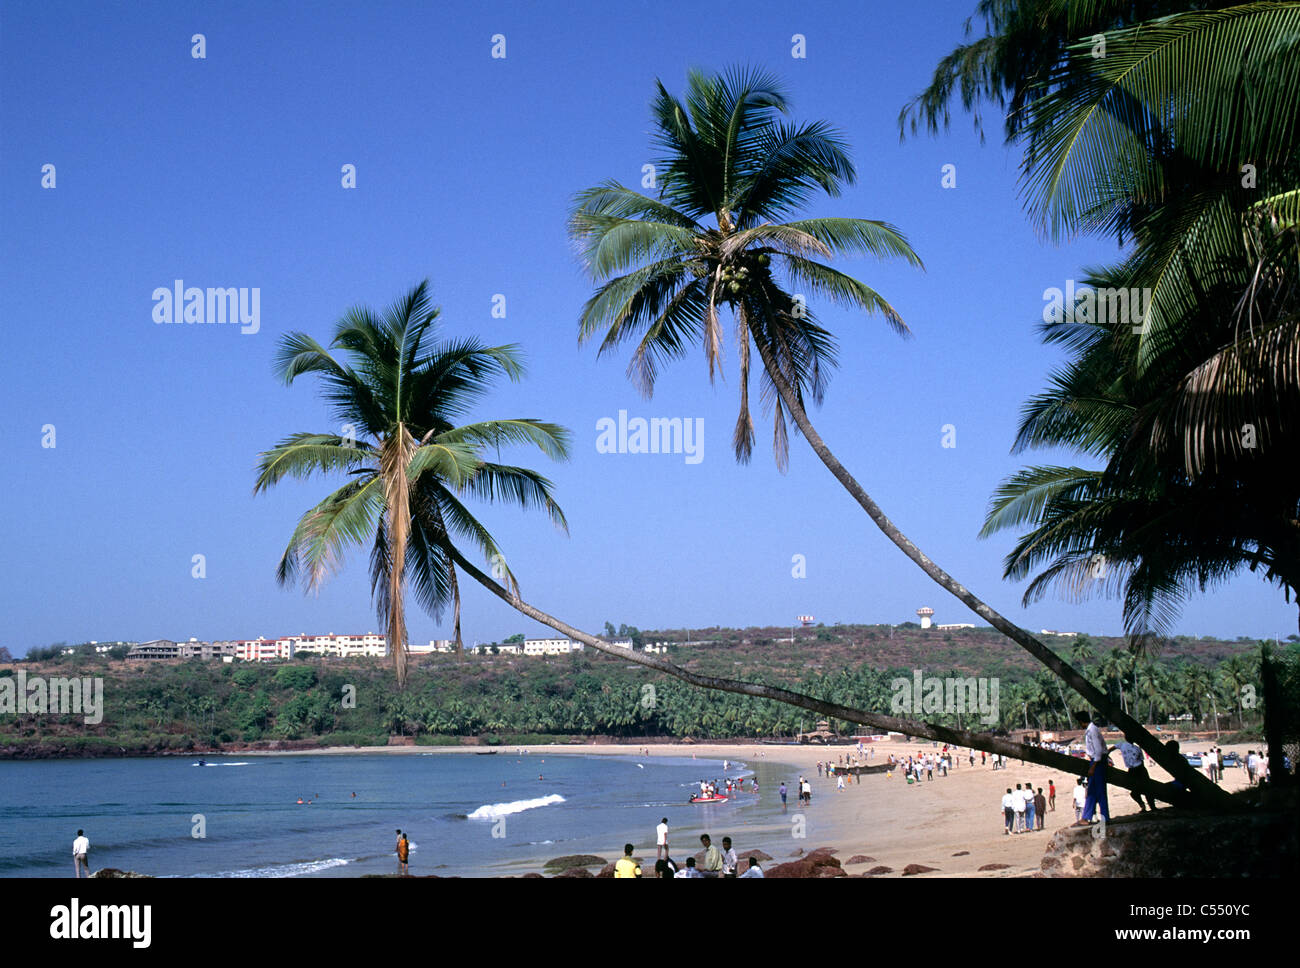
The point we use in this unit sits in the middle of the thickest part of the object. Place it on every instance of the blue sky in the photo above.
(225, 171)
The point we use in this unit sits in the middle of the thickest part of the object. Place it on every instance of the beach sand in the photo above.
(883, 817)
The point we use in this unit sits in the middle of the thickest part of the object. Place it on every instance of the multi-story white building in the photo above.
(551, 646)
(263, 650)
(342, 646)
(435, 645)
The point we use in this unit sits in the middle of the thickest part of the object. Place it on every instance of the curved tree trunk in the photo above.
(909, 727)
(1179, 768)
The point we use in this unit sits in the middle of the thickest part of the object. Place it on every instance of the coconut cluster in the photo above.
(736, 276)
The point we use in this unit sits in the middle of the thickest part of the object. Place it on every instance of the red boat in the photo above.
(713, 799)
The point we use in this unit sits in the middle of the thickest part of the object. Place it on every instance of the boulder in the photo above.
(911, 869)
(576, 860)
(995, 867)
(575, 872)
(114, 872)
(860, 859)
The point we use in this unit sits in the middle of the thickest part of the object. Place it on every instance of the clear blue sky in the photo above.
(225, 171)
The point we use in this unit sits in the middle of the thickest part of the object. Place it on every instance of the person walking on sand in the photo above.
(403, 853)
(1051, 795)
(81, 854)
(1040, 807)
(661, 839)
(782, 790)
(1095, 745)
(1031, 808)
(840, 783)
(1018, 803)
(1009, 810)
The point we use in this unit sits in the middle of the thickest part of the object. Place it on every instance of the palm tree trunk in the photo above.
(1195, 781)
(909, 727)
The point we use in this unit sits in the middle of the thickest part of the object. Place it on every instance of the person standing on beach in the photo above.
(1080, 794)
(661, 839)
(1051, 795)
(1040, 807)
(1031, 808)
(729, 859)
(81, 854)
(1009, 810)
(1018, 804)
(782, 790)
(1095, 744)
(712, 858)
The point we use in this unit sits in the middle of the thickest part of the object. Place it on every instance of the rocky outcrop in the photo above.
(114, 872)
(575, 860)
(818, 863)
(912, 869)
(860, 859)
(1177, 844)
(575, 872)
(995, 867)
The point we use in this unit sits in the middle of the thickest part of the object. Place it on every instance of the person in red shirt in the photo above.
(1051, 794)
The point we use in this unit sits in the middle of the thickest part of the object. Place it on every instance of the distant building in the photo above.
(341, 646)
(156, 649)
(263, 650)
(656, 648)
(962, 625)
(1052, 632)
(925, 614)
(551, 646)
(435, 645)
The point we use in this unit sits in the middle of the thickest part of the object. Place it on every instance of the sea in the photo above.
(464, 814)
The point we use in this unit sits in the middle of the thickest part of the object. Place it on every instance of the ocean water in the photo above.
(464, 814)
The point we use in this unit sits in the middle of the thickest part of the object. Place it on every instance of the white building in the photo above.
(342, 646)
(656, 648)
(963, 625)
(262, 649)
(435, 645)
(549, 646)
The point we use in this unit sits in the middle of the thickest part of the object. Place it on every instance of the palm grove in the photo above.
(1171, 129)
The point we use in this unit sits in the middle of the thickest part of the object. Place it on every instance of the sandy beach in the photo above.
(882, 817)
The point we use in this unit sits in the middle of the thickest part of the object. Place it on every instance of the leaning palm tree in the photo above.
(719, 234)
(399, 398)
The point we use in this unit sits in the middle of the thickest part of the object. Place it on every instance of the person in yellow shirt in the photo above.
(625, 866)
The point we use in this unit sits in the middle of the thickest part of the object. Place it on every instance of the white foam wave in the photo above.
(284, 870)
(490, 811)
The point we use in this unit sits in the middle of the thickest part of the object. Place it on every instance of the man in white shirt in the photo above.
(754, 870)
(1008, 810)
(1018, 805)
(1136, 766)
(1095, 745)
(661, 839)
(1080, 795)
(81, 853)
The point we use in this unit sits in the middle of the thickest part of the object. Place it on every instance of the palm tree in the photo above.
(407, 462)
(731, 173)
